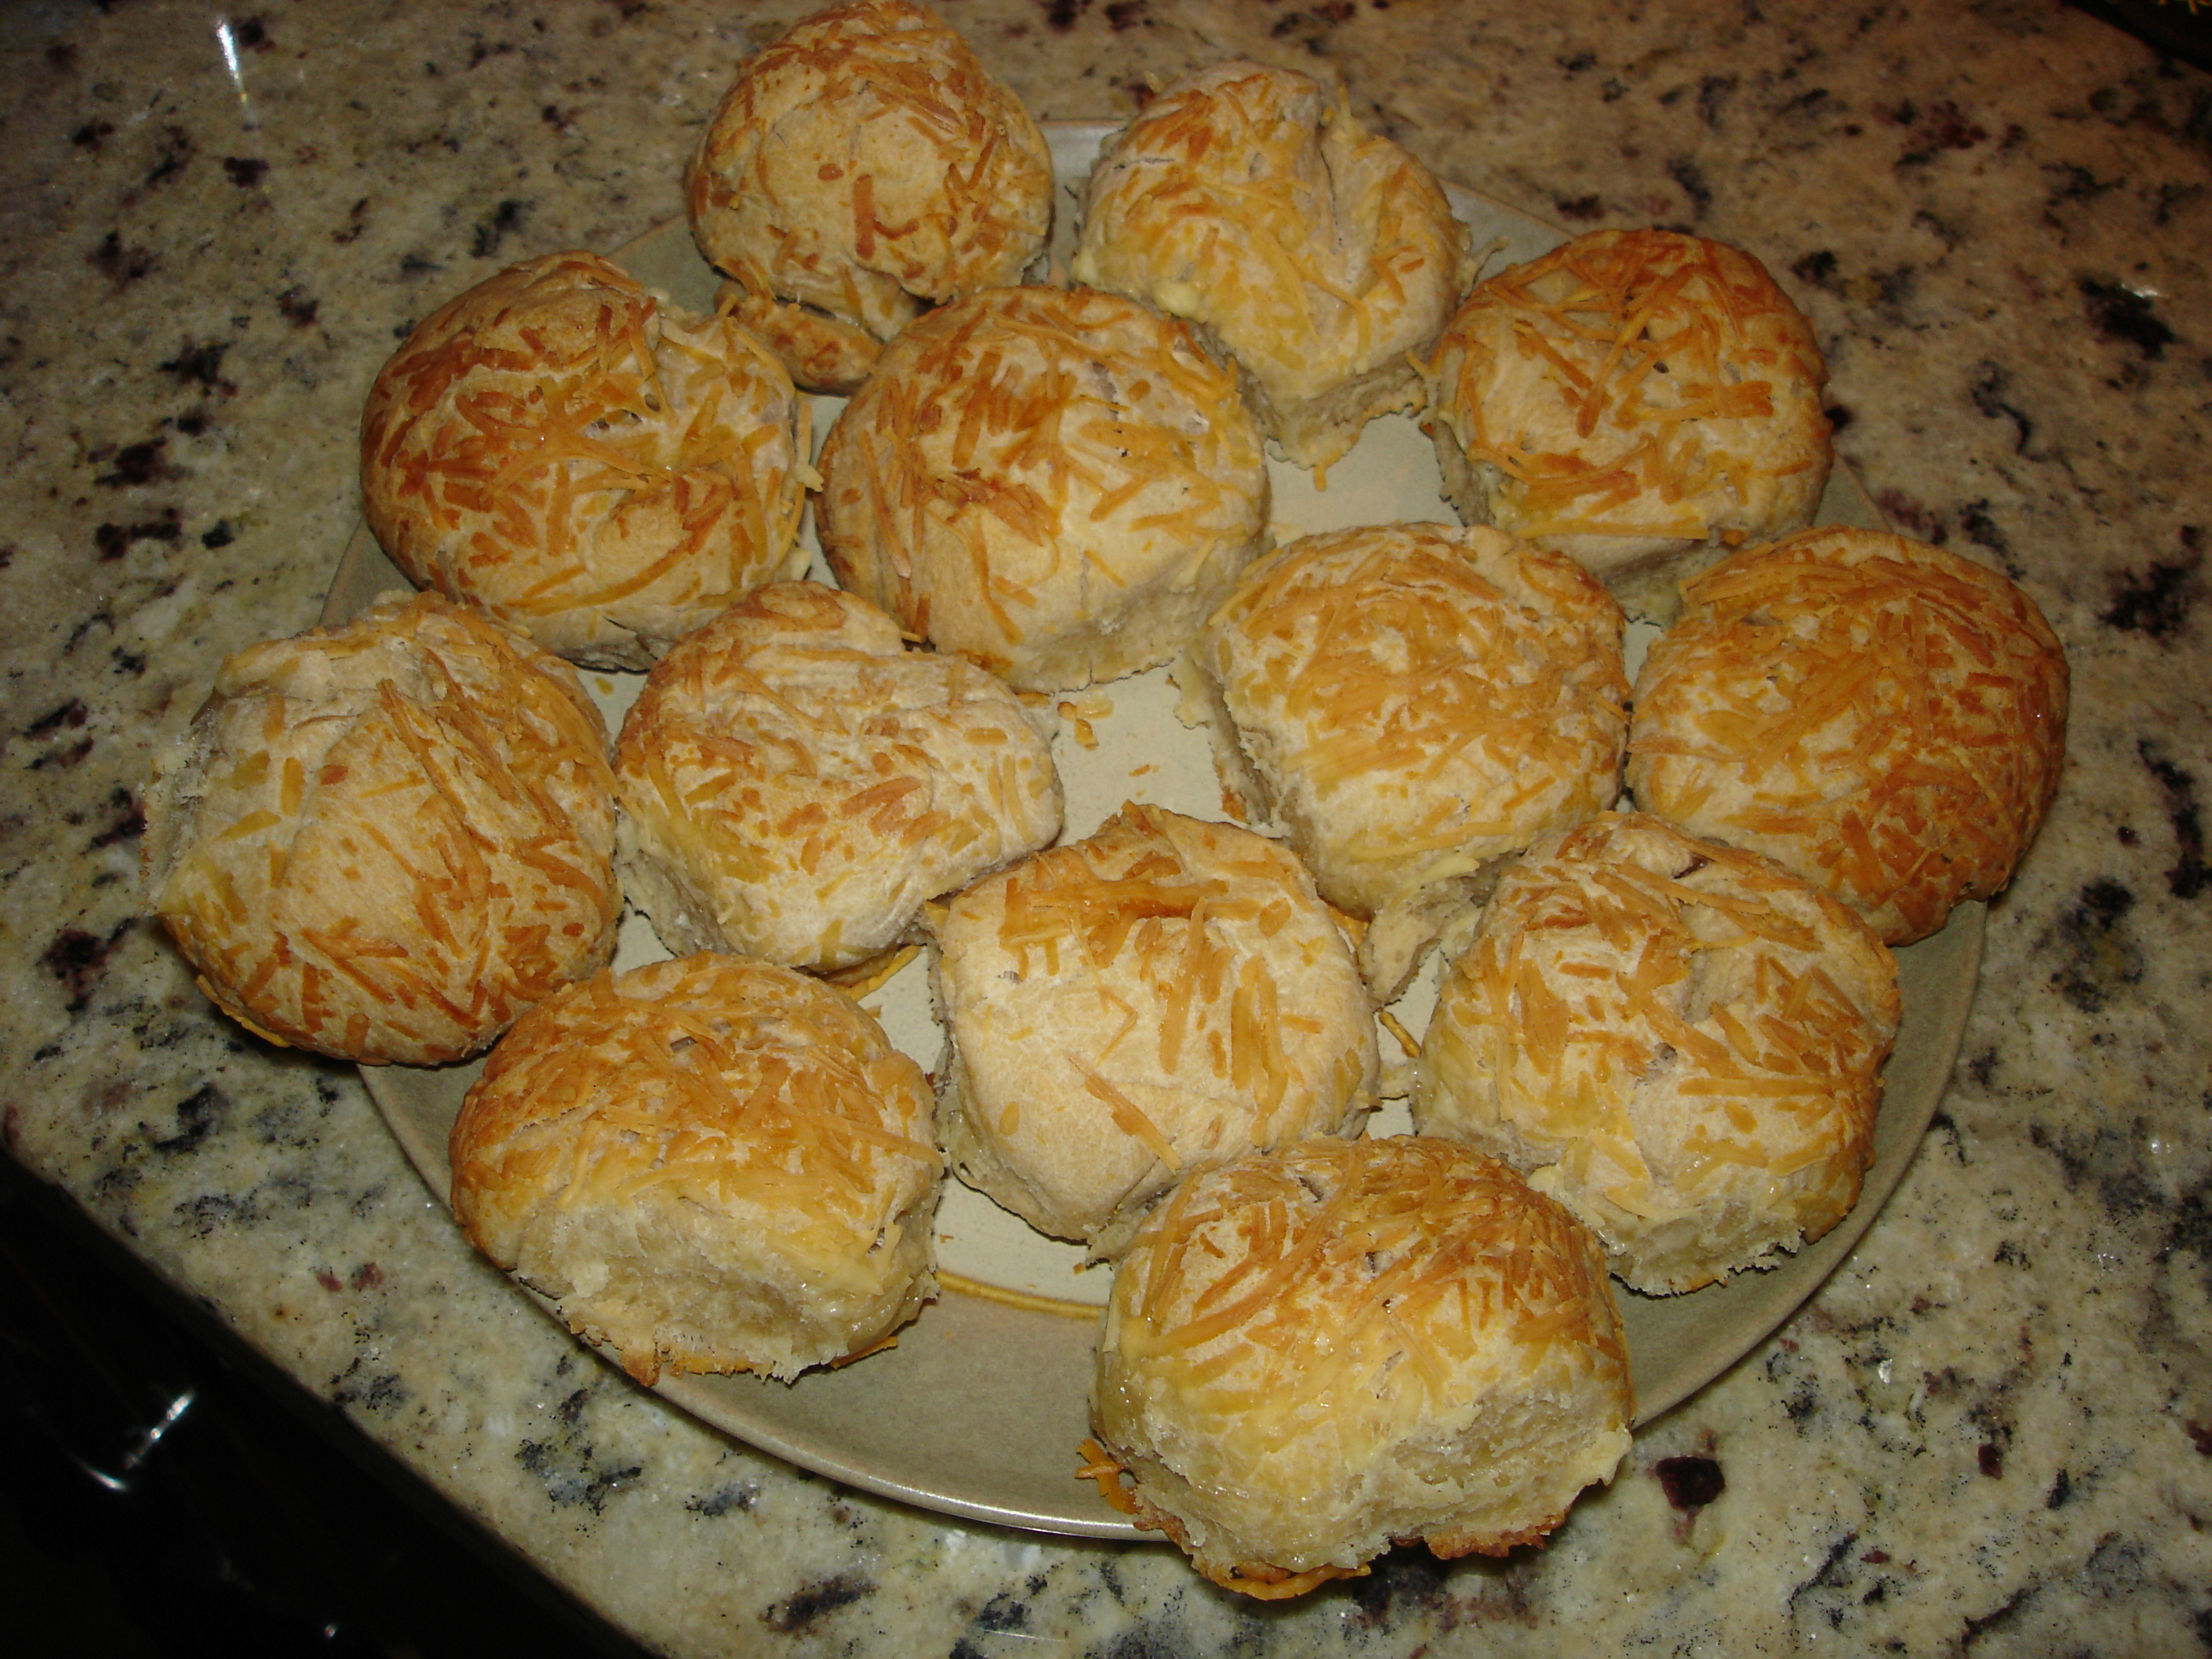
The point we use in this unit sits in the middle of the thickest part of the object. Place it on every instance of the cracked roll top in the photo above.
(796, 783)
(1642, 400)
(1885, 717)
(557, 449)
(1414, 703)
(1680, 1042)
(383, 842)
(861, 170)
(711, 1164)
(1310, 1355)
(1320, 256)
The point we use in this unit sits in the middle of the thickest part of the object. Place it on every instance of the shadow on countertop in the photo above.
(164, 1492)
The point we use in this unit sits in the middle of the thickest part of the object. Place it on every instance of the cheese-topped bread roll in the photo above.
(1680, 1042)
(1058, 484)
(1886, 718)
(1642, 399)
(863, 168)
(557, 448)
(1160, 997)
(383, 842)
(1321, 256)
(1414, 703)
(710, 1165)
(795, 782)
(1310, 1355)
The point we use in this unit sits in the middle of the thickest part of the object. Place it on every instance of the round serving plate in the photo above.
(980, 1407)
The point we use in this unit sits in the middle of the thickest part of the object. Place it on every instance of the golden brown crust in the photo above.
(1886, 718)
(864, 167)
(1163, 995)
(554, 448)
(712, 1165)
(1057, 484)
(1635, 398)
(1680, 1042)
(1310, 1354)
(383, 842)
(1415, 701)
(796, 783)
(1251, 202)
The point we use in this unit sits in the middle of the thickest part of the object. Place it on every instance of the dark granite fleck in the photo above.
(64, 716)
(1125, 14)
(201, 365)
(130, 820)
(79, 960)
(356, 221)
(2189, 874)
(1002, 1612)
(175, 154)
(2200, 1436)
(138, 464)
(298, 307)
(1063, 14)
(738, 1495)
(1578, 63)
(1691, 178)
(1690, 1482)
(2126, 317)
(1713, 94)
(2101, 956)
(1990, 389)
(812, 1601)
(120, 264)
(1818, 268)
(504, 218)
(114, 540)
(197, 1115)
(221, 535)
(93, 134)
(245, 171)
(253, 35)
(1581, 210)
(2061, 1492)
(2157, 599)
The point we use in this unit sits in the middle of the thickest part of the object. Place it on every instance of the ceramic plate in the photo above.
(980, 1407)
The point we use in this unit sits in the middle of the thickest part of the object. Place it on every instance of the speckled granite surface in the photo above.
(1992, 1430)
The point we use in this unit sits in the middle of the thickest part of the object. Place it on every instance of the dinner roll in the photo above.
(1414, 703)
(1682, 1042)
(1119, 1011)
(709, 1163)
(1320, 255)
(795, 782)
(1310, 1355)
(1886, 718)
(863, 168)
(1643, 400)
(559, 449)
(383, 842)
(1059, 484)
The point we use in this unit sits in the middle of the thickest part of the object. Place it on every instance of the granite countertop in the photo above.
(1991, 1431)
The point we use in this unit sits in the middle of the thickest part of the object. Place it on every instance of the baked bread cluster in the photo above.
(1311, 1354)
(1320, 256)
(1157, 998)
(1885, 717)
(1682, 1042)
(559, 449)
(383, 842)
(1057, 484)
(795, 783)
(1413, 704)
(1643, 400)
(1660, 1050)
(709, 1163)
(861, 170)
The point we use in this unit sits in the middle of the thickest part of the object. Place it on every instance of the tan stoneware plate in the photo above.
(980, 1409)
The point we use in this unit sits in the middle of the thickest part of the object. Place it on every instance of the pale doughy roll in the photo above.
(1643, 400)
(1680, 1042)
(1310, 1355)
(1154, 1000)
(1886, 718)
(709, 1163)
(1321, 256)
(861, 170)
(1057, 484)
(1414, 703)
(795, 782)
(383, 842)
(559, 449)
